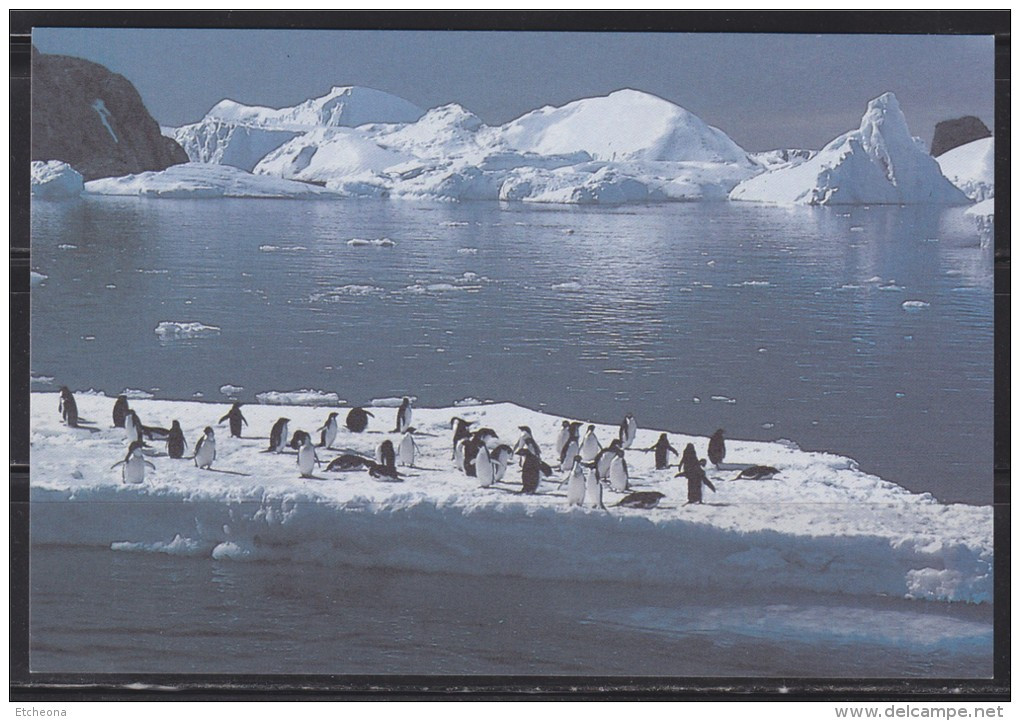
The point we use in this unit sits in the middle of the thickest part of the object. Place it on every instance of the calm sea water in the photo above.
(770, 323)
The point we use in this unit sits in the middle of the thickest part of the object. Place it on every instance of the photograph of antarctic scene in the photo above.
(566, 354)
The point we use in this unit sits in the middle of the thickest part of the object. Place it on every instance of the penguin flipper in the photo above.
(118, 463)
(709, 484)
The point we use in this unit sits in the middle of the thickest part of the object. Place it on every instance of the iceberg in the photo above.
(879, 162)
(55, 180)
(971, 168)
(198, 180)
(821, 524)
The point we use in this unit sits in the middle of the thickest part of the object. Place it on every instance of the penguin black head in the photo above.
(719, 432)
(135, 446)
(176, 425)
(525, 429)
(615, 443)
(333, 415)
(566, 424)
(591, 429)
(208, 431)
(702, 462)
(122, 397)
(410, 429)
(663, 437)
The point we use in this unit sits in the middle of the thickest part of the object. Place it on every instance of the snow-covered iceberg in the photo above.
(821, 524)
(55, 180)
(198, 180)
(971, 168)
(879, 162)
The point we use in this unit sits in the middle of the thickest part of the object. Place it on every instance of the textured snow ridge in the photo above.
(54, 179)
(820, 525)
(971, 168)
(348, 106)
(878, 163)
(197, 180)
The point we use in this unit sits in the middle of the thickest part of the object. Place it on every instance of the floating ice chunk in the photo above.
(724, 399)
(856, 229)
(230, 551)
(41, 380)
(874, 279)
(110, 286)
(169, 329)
(696, 399)
(467, 251)
(891, 286)
(470, 401)
(274, 248)
(67, 246)
(455, 224)
(135, 394)
(569, 286)
(230, 390)
(180, 546)
(336, 294)
(751, 284)
(768, 426)
(157, 271)
(390, 402)
(303, 397)
(55, 180)
(37, 278)
(373, 242)
(915, 305)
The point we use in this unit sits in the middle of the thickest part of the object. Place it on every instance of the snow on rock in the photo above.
(198, 180)
(303, 397)
(971, 168)
(54, 180)
(820, 525)
(171, 330)
(880, 162)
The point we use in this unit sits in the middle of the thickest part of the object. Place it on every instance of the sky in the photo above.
(764, 91)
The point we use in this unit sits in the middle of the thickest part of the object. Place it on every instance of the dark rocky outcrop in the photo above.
(951, 134)
(94, 120)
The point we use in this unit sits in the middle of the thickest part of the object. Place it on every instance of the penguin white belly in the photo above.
(618, 480)
(589, 448)
(568, 456)
(281, 442)
(406, 450)
(603, 465)
(593, 492)
(483, 467)
(330, 434)
(306, 459)
(134, 470)
(458, 453)
(206, 453)
(561, 441)
(405, 419)
(575, 488)
(500, 464)
(630, 434)
(129, 428)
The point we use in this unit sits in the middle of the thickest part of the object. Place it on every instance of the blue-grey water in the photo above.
(770, 323)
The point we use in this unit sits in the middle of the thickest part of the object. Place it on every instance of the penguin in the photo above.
(501, 456)
(717, 448)
(407, 448)
(575, 484)
(68, 407)
(328, 431)
(461, 430)
(619, 478)
(306, 458)
(532, 470)
(526, 440)
(485, 471)
(134, 464)
(459, 452)
(662, 449)
(642, 499)
(385, 455)
(133, 427)
(628, 431)
(590, 445)
(694, 470)
(569, 451)
(205, 449)
(120, 409)
(403, 415)
(278, 436)
(349, 462)
(562, 438)
(298, 439)
(479, 439)
(757, 473)
(384, 473)
(175, 443)
(604, 458)
(357, 420)
(593, 492)
(155, 433)
(236, 419)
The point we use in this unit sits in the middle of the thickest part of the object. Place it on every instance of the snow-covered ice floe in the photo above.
(303, 397)
(370, 242)
(169, 330)
(821, 524)
(199, 180)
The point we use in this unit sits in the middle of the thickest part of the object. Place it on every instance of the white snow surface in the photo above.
(984, 209)
(878, 163)
(198, 180)
(55, 179)
(820, 525)
(971, 168)
(242, 146)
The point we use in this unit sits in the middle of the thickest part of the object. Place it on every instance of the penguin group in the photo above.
(587, 468)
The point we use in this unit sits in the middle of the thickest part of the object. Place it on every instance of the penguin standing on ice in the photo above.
(298, 439)
(604, 459)
(590, 445)
(717, 448)
(619, 476)
(403, 416)
(694, 471)
(134, 428)
(532, 471)
(327, 432)
(593, 492)
(385, 455)
(205, 449)
(575, 484)
(120, 410)
(236, 419)
(134, 464)
(662, 450)
(306, 458)
(501, 456)
(278, 436)
(628, 431)
(484, 469)
(572, 446)
(527, 440)
(562, 438)
(478, 439)
(68, 407)
(357, 420)
(407, 448)
(175, 443)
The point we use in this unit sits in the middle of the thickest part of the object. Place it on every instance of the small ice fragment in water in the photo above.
(229, 389)
(915, 305)
(901, 395)
(67, 246)
(856, 229)
(467, 251)
(168, 329)
(724, 399)
(696, 399)
(761, 350)
(37, 278)
(767, 426)
(572, 285)
(111, 286)
(377, 242)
